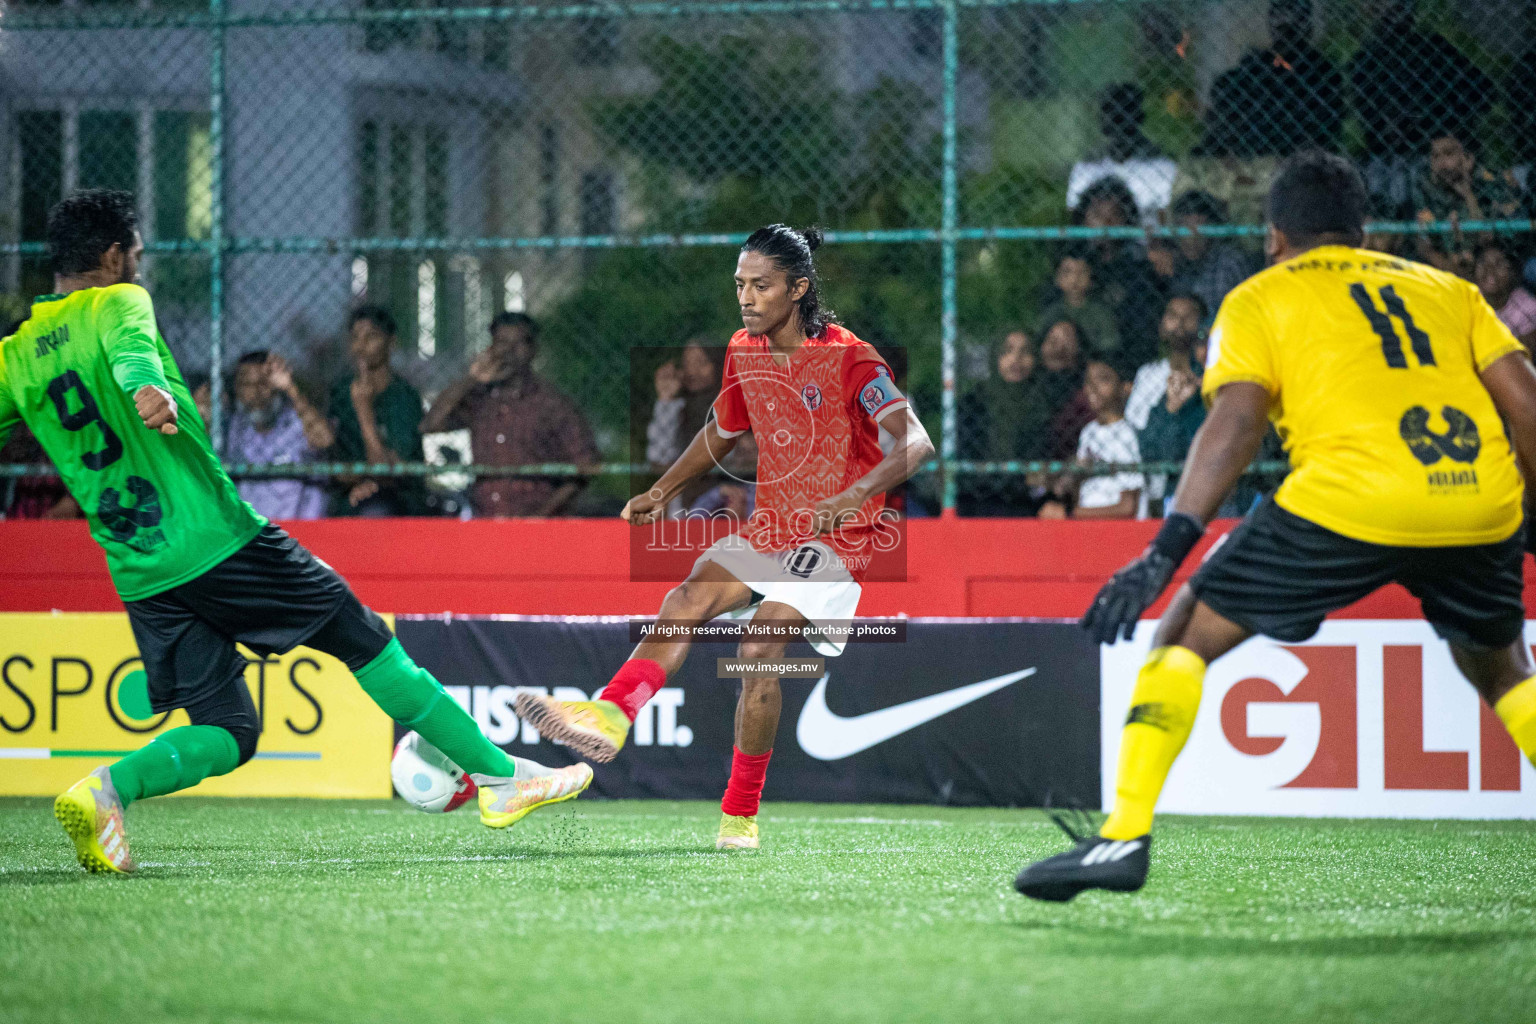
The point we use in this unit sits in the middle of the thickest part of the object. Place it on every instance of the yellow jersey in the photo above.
(1371, 363)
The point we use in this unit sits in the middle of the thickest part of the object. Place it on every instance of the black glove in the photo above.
(1132, 590)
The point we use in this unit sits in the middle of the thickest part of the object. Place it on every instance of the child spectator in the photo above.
(1108, 438)
(1495, 277)
(1074, 282)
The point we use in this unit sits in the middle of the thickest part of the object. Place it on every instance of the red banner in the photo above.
(954, 567)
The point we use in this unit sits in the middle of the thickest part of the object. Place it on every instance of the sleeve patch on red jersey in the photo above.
(879, 393)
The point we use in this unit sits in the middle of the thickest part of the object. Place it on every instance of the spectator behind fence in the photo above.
(685, 392)
(1455, 187)
(1004, 418)
(1061, 388)
(1108, 437)
(1407, 87)
(378, 420)
(273, 423)
(1170, 430)
(1123, 275)
(200, 385)
(1075, 300)
(32, 497)
(1160, 406)
(1178, 332)
(1205, 266)
(1126, 154)
(515, 418)
(1496, 278)
(1519, 94)
(1280, 100)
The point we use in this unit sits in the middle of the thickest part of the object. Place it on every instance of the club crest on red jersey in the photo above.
(811, 394)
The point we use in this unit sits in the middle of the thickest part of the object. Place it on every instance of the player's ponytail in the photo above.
(790, 251)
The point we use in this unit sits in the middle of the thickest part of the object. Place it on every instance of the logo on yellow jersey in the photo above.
(1460, 443)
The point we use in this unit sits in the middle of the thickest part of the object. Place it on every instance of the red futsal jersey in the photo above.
(815, 419)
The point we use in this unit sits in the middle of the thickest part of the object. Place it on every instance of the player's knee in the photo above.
(686, 601)
(230, 708)
(761, 650)
(1492, 670)
(1170, 630)
(246, 731)
(355, 634)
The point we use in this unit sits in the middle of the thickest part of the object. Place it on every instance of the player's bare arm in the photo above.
(1224, 446)
(703, 454)
(1512, 383)
(913, 448)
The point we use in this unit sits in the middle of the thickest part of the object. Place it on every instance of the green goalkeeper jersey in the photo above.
(160, 505)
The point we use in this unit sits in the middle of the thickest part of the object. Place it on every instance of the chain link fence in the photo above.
(1039, 204)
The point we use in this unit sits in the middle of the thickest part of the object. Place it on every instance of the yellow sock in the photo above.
(1517, 709)
(1163, 707)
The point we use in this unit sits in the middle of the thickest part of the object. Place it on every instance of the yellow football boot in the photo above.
(595, 729)
(737, 833)
(92, 816)
(505, 801)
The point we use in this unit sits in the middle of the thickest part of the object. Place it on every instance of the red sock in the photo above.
(636, 682)
(745, 790)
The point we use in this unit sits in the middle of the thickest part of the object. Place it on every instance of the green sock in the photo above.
(408, 694)
(176, 760)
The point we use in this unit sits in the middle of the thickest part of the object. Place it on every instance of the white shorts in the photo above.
(811, 579)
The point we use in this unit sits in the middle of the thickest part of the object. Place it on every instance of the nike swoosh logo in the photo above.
(829, 737)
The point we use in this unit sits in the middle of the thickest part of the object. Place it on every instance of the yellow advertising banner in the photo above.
(65, 679)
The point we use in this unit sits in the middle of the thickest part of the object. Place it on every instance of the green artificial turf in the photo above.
(277, 910)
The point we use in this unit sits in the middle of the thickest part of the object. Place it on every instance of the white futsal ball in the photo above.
(426, 779)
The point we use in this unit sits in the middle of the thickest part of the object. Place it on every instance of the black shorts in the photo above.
(1279, 574)
(272, 595)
